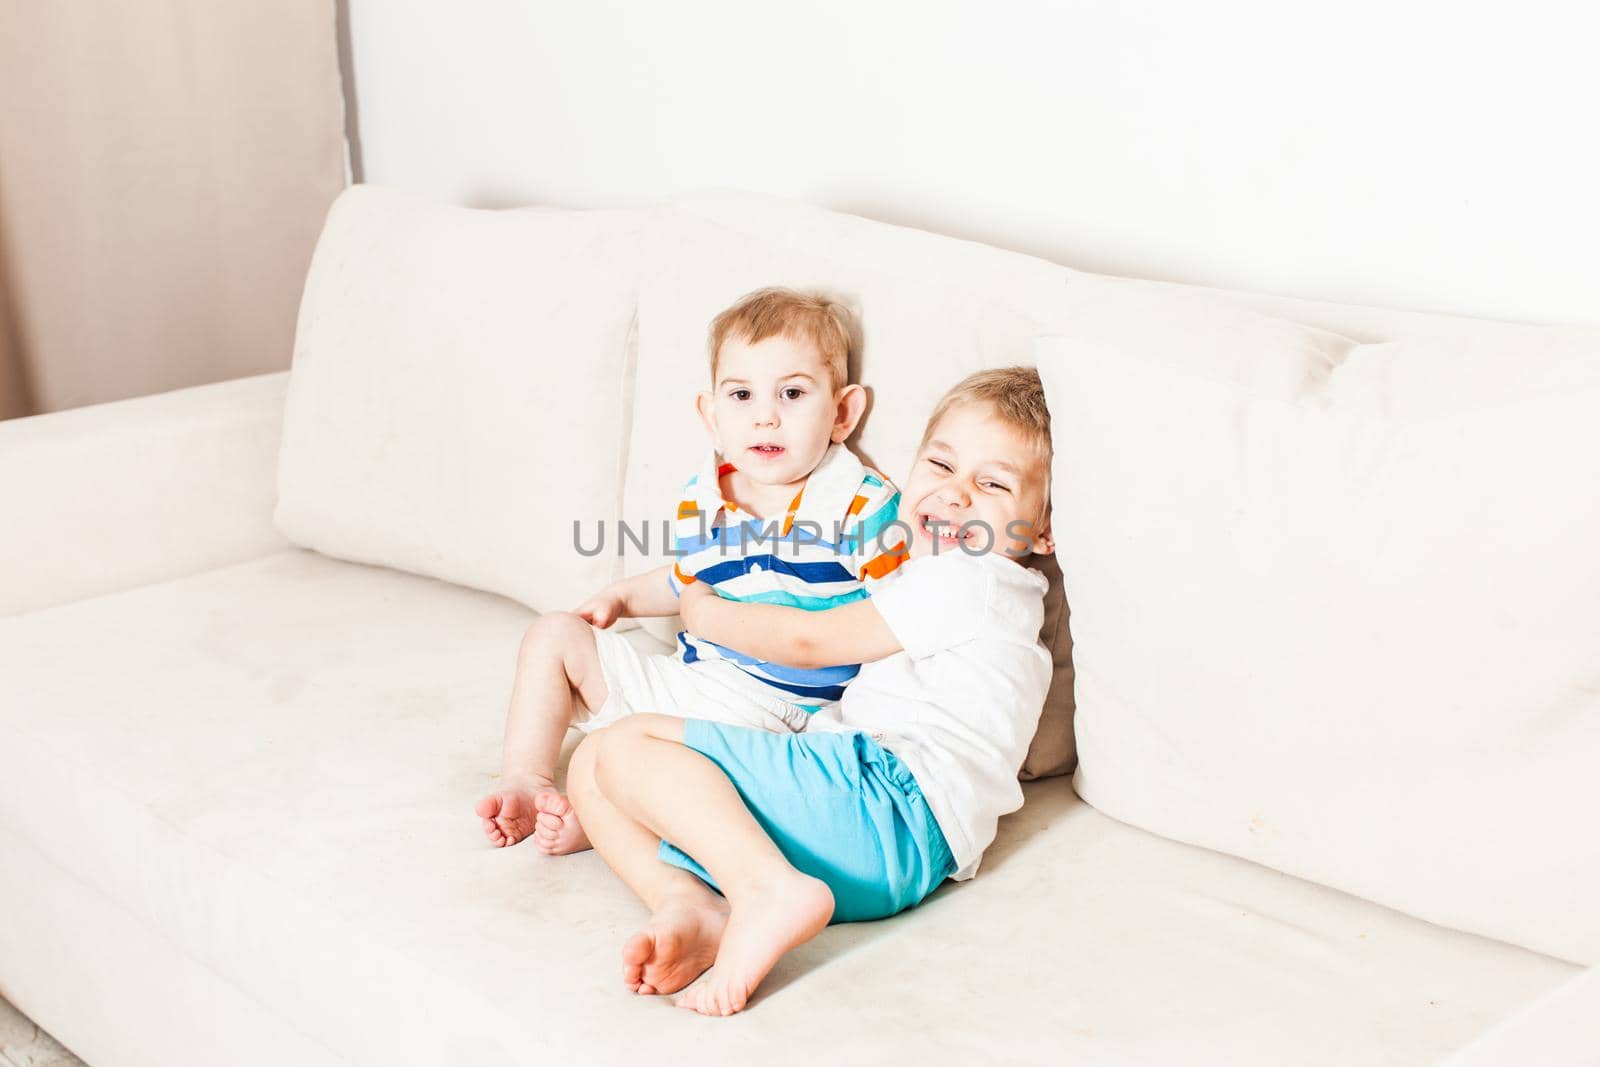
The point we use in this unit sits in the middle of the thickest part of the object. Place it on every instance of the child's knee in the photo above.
(618, 747)
(624, 743)
(640, 731)
(553, 635)
(620, 736)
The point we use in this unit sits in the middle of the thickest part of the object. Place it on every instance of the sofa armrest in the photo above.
(115, 496)
(1560, 1029)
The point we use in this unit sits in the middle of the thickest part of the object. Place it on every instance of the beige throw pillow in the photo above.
(1336, 606)
(454, 404)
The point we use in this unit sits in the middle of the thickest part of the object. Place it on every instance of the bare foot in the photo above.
(676, 946)
(556, 831)
(512, 814)
(764, 925)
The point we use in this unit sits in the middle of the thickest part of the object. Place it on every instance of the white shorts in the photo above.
(657, 682)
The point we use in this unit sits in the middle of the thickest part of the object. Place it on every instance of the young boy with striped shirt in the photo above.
(782, 514)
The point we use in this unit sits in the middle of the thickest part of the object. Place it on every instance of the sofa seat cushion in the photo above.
(272, 767)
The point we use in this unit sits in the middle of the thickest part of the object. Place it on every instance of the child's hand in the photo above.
(602, 609)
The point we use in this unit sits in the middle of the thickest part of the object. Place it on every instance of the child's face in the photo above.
(976, 486)
(773, 410)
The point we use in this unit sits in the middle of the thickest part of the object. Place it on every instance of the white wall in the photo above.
(1436, 156)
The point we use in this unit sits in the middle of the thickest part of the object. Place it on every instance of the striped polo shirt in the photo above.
(824, 551)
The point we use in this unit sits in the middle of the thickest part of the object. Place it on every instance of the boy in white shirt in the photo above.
(781, 513)
(859, 819)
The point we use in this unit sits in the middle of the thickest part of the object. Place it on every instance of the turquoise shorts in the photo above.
(840, 807)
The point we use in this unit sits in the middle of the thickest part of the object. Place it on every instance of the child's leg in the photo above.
(687, 918)
(645, 771)
(557, 665)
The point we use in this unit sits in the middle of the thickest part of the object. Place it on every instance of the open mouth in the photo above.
(768, 451)
(946, 533)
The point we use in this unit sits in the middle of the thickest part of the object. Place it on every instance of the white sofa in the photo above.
(237, 773)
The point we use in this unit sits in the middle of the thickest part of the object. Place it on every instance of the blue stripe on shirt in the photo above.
(786, 599)
(812, 573)
(812, 676)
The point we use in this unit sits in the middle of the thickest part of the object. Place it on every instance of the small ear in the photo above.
(708, 417)
(1044, 544)
(849, 406)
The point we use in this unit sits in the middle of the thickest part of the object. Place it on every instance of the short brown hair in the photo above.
(780, 312)
(1015, 395)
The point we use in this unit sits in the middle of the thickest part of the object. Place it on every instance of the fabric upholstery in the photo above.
(1560, 1029)
(1335, 606)
(118, 991)
(268, 779)
(118, 495)
(454, 403)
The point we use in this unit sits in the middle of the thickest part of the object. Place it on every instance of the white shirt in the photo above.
(959, 706)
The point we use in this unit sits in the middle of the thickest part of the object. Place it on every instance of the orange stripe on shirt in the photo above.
(886, 563)
(794, 506)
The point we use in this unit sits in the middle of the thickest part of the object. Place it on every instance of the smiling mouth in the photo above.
(768, 451)
(948, 533)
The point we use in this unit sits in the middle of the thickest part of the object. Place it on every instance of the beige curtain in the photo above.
(164, 170)
(14, 399)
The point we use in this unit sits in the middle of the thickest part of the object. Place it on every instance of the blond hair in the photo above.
(780, 312)
(1015, 395)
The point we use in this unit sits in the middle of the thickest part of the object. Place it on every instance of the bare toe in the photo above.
(552, 802)
(789, 911)
(508, 816)
(677, 945)
(636, 951)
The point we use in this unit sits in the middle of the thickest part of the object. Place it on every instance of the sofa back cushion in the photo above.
(929, 310)
(454, 401)
(1336, 606)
